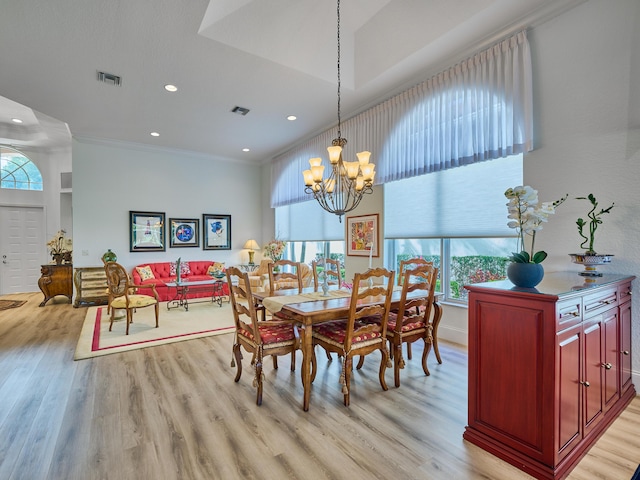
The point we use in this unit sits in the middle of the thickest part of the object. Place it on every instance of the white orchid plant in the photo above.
(527, 215)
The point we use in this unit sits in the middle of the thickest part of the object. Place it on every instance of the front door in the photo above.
(21, 248)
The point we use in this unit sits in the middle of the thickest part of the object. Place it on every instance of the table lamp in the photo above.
(252, 245)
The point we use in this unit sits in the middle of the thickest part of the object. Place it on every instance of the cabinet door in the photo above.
(625, 346)
(611, 358)
(569, 390)
(592, 378)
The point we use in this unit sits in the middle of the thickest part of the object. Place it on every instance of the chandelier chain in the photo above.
(338, 11)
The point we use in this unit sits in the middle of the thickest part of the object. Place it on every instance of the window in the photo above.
(461, 261)
(17, 171)
(306, 251)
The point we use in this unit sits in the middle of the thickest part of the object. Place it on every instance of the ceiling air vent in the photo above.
(109, 79)
(240, 110)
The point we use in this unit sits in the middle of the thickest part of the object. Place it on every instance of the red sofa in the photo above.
(163, 273)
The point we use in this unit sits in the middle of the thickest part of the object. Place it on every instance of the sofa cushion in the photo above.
(216, 267)
(185, 269)
(145, 273)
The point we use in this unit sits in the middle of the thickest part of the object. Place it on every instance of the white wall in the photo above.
(111, 180)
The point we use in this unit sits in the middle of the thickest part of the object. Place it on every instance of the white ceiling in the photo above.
(275, 57)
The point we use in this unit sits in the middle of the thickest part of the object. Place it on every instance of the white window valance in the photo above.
(479, 109)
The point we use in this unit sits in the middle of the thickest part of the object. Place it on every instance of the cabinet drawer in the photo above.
(598, 302)
(624, 292)
(568, 313)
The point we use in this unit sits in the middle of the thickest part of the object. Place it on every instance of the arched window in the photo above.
(17, 171)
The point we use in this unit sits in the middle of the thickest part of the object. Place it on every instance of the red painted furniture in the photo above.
(549, 368)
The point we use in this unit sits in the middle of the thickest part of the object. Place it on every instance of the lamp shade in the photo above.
(251, 245)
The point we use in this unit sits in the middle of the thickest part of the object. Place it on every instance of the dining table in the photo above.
(309, 308)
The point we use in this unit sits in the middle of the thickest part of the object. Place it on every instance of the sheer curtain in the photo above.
(479, 109)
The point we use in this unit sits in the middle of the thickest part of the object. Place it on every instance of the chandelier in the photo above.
(347, 182)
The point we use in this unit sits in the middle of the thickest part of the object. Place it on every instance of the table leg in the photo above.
(307, 351)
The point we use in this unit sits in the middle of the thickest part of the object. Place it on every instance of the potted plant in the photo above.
(590, 258)
(527, 215)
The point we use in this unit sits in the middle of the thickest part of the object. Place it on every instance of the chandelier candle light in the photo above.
(342, 191)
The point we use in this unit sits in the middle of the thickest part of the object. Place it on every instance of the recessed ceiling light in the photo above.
(16, 120)
(292, 117)
(170, 88)
(246, 150)
(155, 134)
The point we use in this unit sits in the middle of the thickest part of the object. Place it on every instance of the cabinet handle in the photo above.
(586, 384)
(625, 352)
(606, 302)
(607, 365)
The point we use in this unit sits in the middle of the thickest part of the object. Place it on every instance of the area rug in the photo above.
(7, 304)
(202, 320)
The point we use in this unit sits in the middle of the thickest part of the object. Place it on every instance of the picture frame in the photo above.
(216, 232)
(363, 236)
(185, 232)
(146, 231)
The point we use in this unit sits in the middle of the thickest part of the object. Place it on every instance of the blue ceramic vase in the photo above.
(525, 275)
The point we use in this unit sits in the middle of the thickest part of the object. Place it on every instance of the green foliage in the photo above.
(594, 221)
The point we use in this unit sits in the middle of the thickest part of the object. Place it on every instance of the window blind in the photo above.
(307, 221)
(461, 202)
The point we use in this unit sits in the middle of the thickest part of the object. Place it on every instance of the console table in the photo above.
(55, 280)
(549, 368)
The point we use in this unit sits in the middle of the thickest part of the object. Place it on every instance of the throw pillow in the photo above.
(145, 273)
(216, 267)
(184, 269)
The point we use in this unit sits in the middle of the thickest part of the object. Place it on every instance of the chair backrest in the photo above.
(118, 280)
(410, 263)
(421, 279)
(376, 283)
(331, 268)
(288, 276)
(245, 315)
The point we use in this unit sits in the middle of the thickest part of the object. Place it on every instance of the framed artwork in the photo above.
(363, 236)
(146, 232)
(184, 232)
(216, 232)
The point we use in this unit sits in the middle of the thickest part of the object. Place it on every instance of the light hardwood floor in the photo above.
(174, 412)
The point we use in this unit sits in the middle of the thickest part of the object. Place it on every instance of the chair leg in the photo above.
(409, 356)
(360, 362)
(329, 357)
(258, 381)
(129, 319)
(275, 362)
(112, 317)
(238, 359)
(425, 354)
(346, 389)
(383, 367)
(157, 313)
(398, 363)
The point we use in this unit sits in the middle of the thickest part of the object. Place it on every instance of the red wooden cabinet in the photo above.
(548, 372)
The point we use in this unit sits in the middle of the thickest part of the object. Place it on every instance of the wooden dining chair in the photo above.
(284, 275)
(413, 320)
(331, 268)
(122, 294)
(260, 338)
(353, 335)
(409, 263)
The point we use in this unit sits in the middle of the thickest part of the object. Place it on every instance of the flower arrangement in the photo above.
(274, 249)
(594, 221)
(60, 243)
(527, 216)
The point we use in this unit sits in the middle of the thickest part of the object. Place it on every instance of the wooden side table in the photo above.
(91, 286)
(56, 280)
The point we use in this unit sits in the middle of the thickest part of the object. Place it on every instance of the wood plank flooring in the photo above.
(174, 412)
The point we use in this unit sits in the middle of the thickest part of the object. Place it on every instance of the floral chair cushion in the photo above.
(336, 332)
(271, 333)
(415, 325)
(135, 301)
